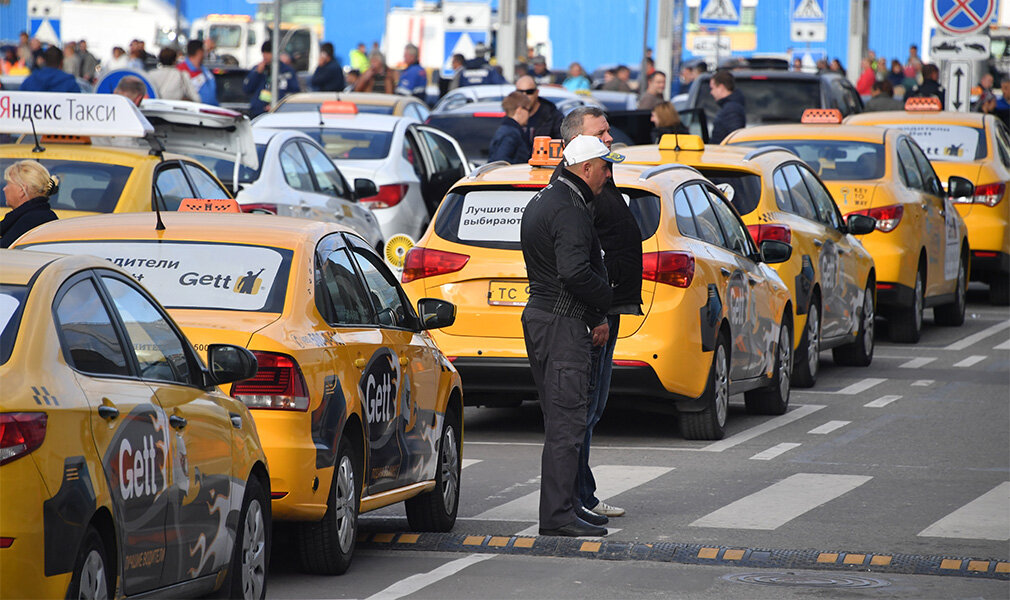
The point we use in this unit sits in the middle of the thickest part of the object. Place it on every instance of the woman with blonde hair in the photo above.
(665, 119)
(27, 190)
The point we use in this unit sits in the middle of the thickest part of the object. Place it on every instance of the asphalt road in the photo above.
(891, 481)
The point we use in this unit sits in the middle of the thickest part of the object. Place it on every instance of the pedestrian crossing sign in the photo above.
(461, 42)
(47, 30)
(719, 12)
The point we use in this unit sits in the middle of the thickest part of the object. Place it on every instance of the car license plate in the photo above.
(508, 293)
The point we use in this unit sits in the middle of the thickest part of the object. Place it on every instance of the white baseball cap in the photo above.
(587, 147)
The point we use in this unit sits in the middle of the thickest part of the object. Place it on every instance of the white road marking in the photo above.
(984, 518)
(595, 446)
(977, 337)
(882, 401)
(971, 360)
(774, 451)
(829, 427)
(611, 480)
(535, 530)
(917, 363)
(415, 583)
(781, 502)
(470, 461)
(923, 383)
(1004, 346)
(798, 412)
(860, 386)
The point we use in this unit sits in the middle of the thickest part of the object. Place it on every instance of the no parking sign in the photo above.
(961, 17)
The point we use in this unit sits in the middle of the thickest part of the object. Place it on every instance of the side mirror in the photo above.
(364, 188)
(435, 313)
(860, 224)
(230, 363)
(774, 251)
(959, 187)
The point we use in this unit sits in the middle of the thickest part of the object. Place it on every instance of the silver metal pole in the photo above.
(178, 25)
(276, 54)
(645, 48)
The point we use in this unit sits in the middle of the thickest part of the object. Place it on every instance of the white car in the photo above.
(413, 165)
(564, 99)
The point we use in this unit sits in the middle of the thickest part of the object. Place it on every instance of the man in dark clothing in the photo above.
(476, 71)
(564, 319)
(621, 240)
(328, 76)
(930, 85)
(882, 98)
(51, 77)
(545, 118)
(509, 143)
(732, 115)
(540, 73)
(257, 82)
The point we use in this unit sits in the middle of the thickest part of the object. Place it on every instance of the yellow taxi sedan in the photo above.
(704, 278)
(356, 406)
(830, 275)
(124, 469)
(920, 246)
(976, 147)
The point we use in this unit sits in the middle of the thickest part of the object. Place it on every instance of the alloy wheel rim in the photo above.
(344, 504)
(254, 552)
(450, 474)
(868, 325)
(813, 339)
(93, 583)
(721, 386)
(785, 363)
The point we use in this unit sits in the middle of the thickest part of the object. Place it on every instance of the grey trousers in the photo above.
(559, 353)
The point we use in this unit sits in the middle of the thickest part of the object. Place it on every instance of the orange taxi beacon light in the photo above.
(546, 152)
(338, 107)
(822, 115)
(211, 205)
(923, 104)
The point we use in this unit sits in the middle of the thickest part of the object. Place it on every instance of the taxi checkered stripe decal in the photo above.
(43, 397)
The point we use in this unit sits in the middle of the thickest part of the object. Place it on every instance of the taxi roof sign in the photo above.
(338, 107)
(831, 116)
(923, 104)
(56, 113)
(546, 152)
(681, 141)
(211, 205)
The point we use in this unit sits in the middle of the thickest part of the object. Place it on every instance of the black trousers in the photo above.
(559, 353)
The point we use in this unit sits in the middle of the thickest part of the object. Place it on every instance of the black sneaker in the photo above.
(590, 517)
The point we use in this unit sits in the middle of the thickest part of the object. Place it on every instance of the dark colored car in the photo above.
(229, 88)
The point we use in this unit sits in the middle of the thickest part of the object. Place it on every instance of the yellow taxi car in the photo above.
(920, 246)
(367, 102)
(976, 147)
(704, 278)
(830, 275)
(124, 469)
(356, 406)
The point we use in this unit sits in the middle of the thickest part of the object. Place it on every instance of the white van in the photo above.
(239, 38)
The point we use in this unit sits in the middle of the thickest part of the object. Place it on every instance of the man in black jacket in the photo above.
(328, 76)
(732, 115)
(930, 85)
(545, 118)
(564, 318)
(621, 240)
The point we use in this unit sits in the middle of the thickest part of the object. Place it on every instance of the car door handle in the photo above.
(108, 412)
(236, 420)
(724, 271)
(752, 281)
(359, 362)
(177, 422)
(842, 251)
(404, 361)
(818, 242)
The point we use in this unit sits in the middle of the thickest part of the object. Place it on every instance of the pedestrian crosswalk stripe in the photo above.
(923, 383)
(1004, 346)
(470, 461)
(977, 337)
(781, 502)
(415, 583)
(919, 362)
(970, 361)
(797, 412)
(984, 518)
(829, 427)
(774, 451)
(860, 386)
(882, 401)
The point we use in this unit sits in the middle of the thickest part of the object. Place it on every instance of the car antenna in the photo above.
(159, 225)
(38, 147)
(319, 111)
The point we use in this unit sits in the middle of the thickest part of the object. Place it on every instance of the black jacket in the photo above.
(563, 257)
(28, 216)
(731, 116)
(546, 121)
(659, 132)
(328, 78)
(509, 143)
(929, 88)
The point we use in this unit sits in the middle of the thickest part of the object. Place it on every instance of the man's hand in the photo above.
(261, 67)
(601, 333)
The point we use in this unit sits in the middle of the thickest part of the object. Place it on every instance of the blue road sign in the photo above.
(960, 17)
(45, 28)
(719, 12)
(808, 11)
(461, 42)
(110, 80)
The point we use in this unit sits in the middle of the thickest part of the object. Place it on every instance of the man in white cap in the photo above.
(564, 318)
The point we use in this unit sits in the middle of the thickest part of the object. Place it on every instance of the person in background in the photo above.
(655, 91)
(328, 76)
(520, 70)
(576, 79)
(452, 82)
(509, 143)
(836, 66)
(897, 74)
(797, 64)
(866, 77)
(732, 114)
(149, 60)
(622, 75)
(169, 82)
(51, 77)
(351, 79)
(413, 79)
(822, 66)
(27, 191)
(882, 93)
(378, 77)
(913, 64)
(118, 60)
(665, 119)
(986, 102)
(359, 58)
(257, 84)
(541, 74)
(89, 63)
(210, 51)
(545, 118)
(24, 49)
(930, 86)
(133, 88)
(136, 57)
(71, 61)
(200, 76)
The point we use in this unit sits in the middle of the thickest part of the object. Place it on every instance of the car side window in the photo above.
(206, 186)
(827, 213)
(736, 236)
(391, 306)
(685, 219)
(329, 180)
(348, 299)
(410, 154)
(439, 159)
(90, 343)
(172, 186)
(296, 170)
(909, 170)
(446, 149)
(782, 198)
(931, 183)
(803, 204)
(704, 215)
(160, 352)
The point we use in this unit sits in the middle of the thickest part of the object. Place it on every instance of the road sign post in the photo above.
(959, 78)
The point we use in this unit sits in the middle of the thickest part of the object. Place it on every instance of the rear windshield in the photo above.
(203, 275)
(834, 160)
(769, 100)
(489, 217)
(229, 86)
(352, 144)
(374, 109)
(955, 143)
(12, 299)
(224, 169)
(743, 190)
(90, 186)
(473, 133)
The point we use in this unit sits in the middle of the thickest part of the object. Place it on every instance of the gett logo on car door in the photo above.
(381, 386)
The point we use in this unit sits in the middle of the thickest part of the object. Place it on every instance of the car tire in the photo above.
(774, 400)
(999, 289)
(327, 546)
(860, 352)
(905, 324)
(247, 573)
(92, 577)
(952, 315)
(435, 510)
(808, 354)
(710, 423)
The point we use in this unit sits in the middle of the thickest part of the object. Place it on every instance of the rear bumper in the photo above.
(986, 263)
(893, 295)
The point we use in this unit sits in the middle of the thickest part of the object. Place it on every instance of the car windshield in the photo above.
(84, 185)
(12, 299)
(224, 169)
(374, 109)
(768, 100)
(226, 36)
(742, 189)
(473, 132)
(834, 160)
(353, 144)
(955, 143)
(200, 275)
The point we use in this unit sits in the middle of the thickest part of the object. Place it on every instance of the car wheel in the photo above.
(860, 352)
(999, 289)
(436, 509)
(710, 423)
(326, 547)
(808, 354)
(905, 324)
(774, 400)
(247, 574)
(952, 315)
(91, 569)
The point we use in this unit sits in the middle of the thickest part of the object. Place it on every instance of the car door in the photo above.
(204, 183)
(171, 185)
(130, 429)
(807, 233)
(333, 188)
(198, 541)
(943, 235)
(444, 163)
(297, 175)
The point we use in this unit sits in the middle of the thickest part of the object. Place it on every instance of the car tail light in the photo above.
(984, 254)
(630, 363)
(20, 434)
(278, 384)
(425, 262)
(887, 217)
(270, 209)
(671, 268)
(5, 542)
(488, 115)
(779, 233)
(989, 194)
(389, 195)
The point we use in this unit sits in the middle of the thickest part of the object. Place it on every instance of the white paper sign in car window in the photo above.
(181, 275)
(8, 306)
(944, 142)
(493, 216)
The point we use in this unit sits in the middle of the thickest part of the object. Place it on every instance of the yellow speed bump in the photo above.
(498, 541)
(473, 540)
(524, 542)
(708, 553)
(827, 557)
(408, 538)
(950, 563)
(590, 547)
(733, 554)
